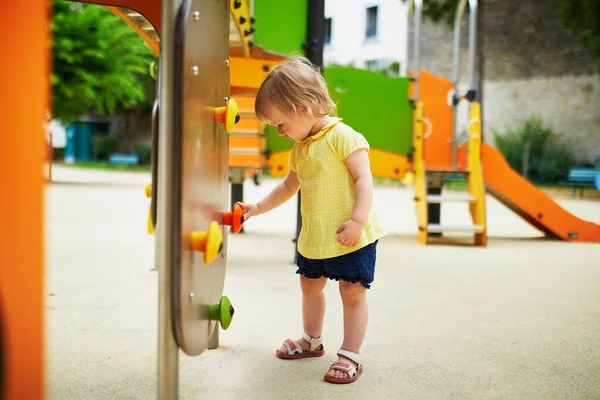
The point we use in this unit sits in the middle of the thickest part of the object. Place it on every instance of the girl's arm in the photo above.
(282, 193)
(360, 168)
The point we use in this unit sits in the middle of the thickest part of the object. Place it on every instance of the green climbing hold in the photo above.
(222, 312)
(153, 70)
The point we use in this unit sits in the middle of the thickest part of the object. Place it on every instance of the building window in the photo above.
(373, 65)
(371, 22)
(328, 31)
(377, 64)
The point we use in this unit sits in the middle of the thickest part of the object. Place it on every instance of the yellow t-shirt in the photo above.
(327, 190)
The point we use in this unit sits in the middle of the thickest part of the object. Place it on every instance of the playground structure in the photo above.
(206, 134)
(412, 130)
(429, 149)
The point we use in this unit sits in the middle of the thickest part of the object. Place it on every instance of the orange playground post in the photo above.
(23, 105)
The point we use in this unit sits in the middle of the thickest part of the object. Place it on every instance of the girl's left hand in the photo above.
(349, 233)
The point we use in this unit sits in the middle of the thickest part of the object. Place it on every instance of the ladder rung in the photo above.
(447, 171)
(246, 133)
(454, 228)
(245, 150)
(434, 198)
(247, 113)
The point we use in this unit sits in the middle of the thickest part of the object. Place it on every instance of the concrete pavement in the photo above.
(517, 320)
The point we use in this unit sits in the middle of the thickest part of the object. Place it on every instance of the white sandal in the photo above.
(349, 368)
(295, 350)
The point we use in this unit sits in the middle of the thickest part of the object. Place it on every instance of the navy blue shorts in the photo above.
(358, 266)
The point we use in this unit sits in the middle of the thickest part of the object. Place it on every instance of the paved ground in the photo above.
(517, 320)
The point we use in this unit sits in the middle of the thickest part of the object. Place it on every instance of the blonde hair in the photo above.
(292, 83)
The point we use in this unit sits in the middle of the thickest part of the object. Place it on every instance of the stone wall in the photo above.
(533, 67)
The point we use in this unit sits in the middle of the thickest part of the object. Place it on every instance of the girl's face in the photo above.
(292, 126)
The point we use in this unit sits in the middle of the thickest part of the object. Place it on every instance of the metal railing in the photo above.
(414, 7)
(471, 93)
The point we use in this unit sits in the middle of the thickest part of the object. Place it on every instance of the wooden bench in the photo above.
(580, 178)
(123, 159)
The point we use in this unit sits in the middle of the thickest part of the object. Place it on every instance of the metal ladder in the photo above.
(429, 182)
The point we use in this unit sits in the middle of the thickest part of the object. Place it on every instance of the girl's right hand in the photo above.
(249, 210)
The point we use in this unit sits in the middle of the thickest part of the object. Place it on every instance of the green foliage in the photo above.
(440, 10)
(103, 146)
(549, 159)
(392, 70)
(144, 152)
(58, 153)
(98, 63)
(102, 165)
(582, 17)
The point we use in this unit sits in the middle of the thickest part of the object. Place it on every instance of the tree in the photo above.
(438, 10)
(98, 62)
(583, 19)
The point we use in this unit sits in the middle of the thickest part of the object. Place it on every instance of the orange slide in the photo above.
(529, 202)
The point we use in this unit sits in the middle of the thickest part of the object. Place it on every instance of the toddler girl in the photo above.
(330, 164)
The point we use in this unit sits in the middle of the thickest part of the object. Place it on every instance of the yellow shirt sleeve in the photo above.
(292, 159)
(346, 141)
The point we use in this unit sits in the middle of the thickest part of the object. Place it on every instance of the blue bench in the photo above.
(580, 178)
(123, 159)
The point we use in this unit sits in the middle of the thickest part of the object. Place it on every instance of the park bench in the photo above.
(123, 159)
(580, 178)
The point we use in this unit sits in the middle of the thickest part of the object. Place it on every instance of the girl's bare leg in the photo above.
(356, 315)
(313, 309)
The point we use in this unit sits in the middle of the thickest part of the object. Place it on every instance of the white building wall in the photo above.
(567, 103)
(348, 32)
(58, 132)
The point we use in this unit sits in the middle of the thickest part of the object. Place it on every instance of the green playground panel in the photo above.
(281, 25)
(373, 104)
(281, 28)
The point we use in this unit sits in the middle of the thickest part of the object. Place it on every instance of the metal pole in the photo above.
(213, 341)
(480, 63)
(315, 33)
(456, 75)
(456, 47)
(404, 66)
(472, 42)
(416, 47)
(50, 159)
(168, 352)
(236, 176)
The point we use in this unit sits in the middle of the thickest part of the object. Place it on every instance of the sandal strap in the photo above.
(293, 346)
(344, 367)
(349, 355)
(314, 343)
